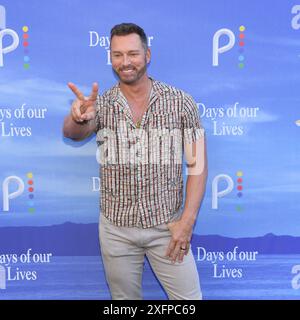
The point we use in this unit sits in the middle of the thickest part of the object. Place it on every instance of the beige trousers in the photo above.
(123, 251)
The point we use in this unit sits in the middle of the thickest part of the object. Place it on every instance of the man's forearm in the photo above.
(195, 189)
(77, 131)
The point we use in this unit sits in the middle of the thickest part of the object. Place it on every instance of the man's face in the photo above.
(128, 57)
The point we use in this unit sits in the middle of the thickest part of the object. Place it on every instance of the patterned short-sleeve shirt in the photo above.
(141, 168)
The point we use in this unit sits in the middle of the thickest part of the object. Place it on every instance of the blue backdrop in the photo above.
(240, 62)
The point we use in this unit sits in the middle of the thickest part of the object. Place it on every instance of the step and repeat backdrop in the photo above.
(239, 60)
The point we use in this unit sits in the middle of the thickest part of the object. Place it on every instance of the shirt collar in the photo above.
(157, 90)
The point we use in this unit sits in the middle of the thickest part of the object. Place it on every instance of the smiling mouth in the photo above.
(127, 71)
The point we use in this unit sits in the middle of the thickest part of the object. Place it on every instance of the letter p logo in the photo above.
(216, 193)
(7, 196)
(4, 32)
(217, 49)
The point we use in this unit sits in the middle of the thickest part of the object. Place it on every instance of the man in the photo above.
(142, 126)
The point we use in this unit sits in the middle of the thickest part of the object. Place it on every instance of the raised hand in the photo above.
(83, 108)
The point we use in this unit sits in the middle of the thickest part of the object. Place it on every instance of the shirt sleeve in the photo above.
(192, 126)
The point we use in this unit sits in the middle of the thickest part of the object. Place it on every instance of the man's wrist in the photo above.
(188, 217)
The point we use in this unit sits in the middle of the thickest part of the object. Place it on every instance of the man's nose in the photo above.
(126, 60)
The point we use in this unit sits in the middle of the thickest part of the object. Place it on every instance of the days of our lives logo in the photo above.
(227, 264)
(229, 120)
(96, 40)
(14, 267)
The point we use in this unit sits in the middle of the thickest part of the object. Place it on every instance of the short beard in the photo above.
(138, 76)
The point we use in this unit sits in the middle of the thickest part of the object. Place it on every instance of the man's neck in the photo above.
(137, 90)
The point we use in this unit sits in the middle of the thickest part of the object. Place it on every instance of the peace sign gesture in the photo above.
(83, 108)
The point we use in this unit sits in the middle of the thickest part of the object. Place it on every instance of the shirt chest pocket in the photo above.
(165, 120)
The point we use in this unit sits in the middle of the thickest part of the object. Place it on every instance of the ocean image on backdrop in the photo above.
(62, 266)
(82, 278)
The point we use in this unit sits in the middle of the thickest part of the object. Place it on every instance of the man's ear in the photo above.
(148, 55)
